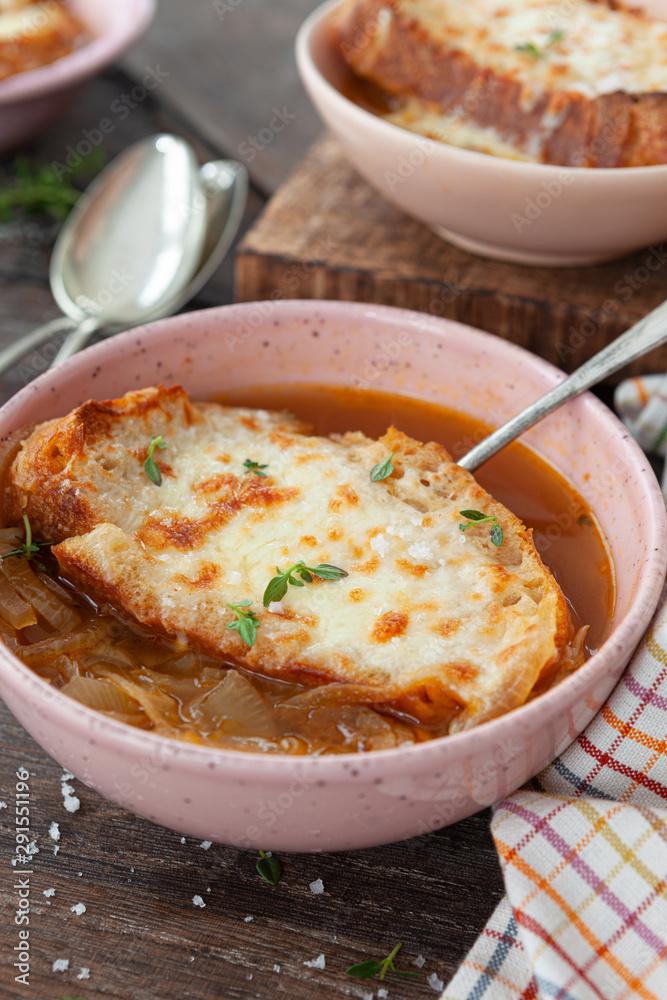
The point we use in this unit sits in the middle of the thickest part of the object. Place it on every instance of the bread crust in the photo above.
(559, 126)
(439, 623)
(45, 32)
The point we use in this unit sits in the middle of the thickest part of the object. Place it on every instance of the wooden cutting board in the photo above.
(327, 234)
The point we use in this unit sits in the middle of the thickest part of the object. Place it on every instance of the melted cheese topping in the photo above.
(575, 45)
(427, 612)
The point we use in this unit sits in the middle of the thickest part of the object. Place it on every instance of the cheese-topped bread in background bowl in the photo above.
(585, 205)
(359, 799)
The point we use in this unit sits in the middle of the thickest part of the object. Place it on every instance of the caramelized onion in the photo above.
(102, 695)
(13, 608)
(46, 603)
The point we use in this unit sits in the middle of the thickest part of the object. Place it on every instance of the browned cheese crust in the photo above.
(437, 622)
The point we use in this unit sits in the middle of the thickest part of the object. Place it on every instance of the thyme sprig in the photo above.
(255, 467)
(40, 190)
(277, 585)
(477, 517)
(151, 468)
(535, 52)
(382, 470)
(246, 623)
(28, 549)
(269, 868)
(370, 968)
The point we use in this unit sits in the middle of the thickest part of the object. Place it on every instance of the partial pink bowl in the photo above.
(30, 101)
(529, 213)
(342, 802)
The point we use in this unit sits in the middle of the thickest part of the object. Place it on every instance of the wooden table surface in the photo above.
(141, 937)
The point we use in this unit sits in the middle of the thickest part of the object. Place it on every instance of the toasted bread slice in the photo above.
(438, 622)
(519, 78)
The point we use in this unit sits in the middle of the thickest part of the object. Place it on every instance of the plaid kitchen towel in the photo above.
(584, 850)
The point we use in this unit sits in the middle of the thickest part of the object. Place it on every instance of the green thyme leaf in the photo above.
(151, 467)
(246, 623)
(532, 50)
(497, 535)
(370, 968)
(40, 189)
(255, 467)
(365, 970)
(277, 585)
(269, 868)
(382, 470)
(28, 548)
(326, 572)
(477, 517)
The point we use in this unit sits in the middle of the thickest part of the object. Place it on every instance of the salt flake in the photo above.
(49, 892)
(316, 963)
(248, 919)
(198, 901)
(380, 544)
(60, 965)
(317, 887)
(419, 961)
(54, 831)
(79, 909)
(435, 983)
(206, 844)
(84, 974)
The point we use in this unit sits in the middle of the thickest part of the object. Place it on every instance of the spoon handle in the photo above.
(77, 339)
(29, 341)
(644, 336)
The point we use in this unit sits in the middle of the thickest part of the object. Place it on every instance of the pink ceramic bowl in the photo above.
(30, 101)
(506, 209)
(343, 802)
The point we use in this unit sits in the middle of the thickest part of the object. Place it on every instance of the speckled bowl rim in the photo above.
(617, 646)
(83, 63)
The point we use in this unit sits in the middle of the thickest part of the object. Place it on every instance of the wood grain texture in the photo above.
(142, 937)
(327, 234)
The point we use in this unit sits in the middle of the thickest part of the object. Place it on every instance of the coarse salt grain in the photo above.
(60, 965)
(435, 983)
(205, 844)
(276, 968)
(198, 901)
(3, 804)
(380, 545)
(49, 892)
(248, 919)
(317, 886)
(54, 831)
(276, 608)
(419, 961)
(382, 993)
(316, 963)
(84, 974)
(420, 551)
(79, 909)
(234, 578)
(182, 840)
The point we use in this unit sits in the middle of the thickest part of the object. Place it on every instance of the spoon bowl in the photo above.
(133, 237)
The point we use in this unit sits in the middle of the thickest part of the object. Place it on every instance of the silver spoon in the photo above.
(129, 247)
(649, 333)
